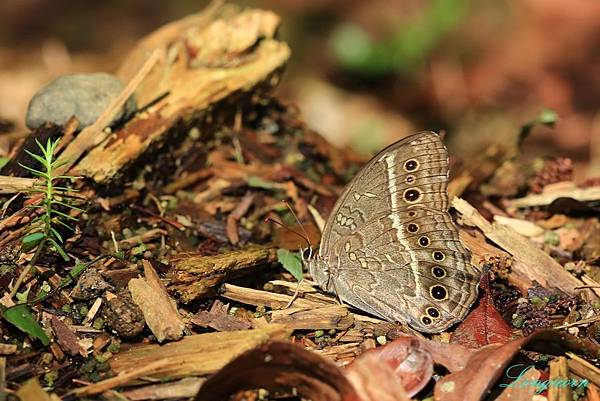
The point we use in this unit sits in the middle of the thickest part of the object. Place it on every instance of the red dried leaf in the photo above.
(376, 381)
(408, 358)
(488, 364)
(484, 325)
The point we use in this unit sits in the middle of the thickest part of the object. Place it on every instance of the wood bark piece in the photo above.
(8, 349)
(271, 300)
(325, 318)
(559, 372)
(184, 388)
(583, 368)
(533, 262)
(32, 391)
(196, 355)
(94, 134)
(11, 185)
(204, 60)
(219, 319)
(67, 339)
(194, 276)
(160, 311)
(554, 191)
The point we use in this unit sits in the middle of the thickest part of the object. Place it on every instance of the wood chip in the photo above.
(325, 318)
(237, 213)
(523, 227)
(160, 311)
(196, 355)
(218, 319)
(554, 191)
(11, 185)
(532, 262)
(184, 388)
(66, 338)
(583, 368)
(8, 349)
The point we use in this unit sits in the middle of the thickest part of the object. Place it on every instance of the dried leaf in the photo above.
(488, 364)
(484, 325)
(408, 358)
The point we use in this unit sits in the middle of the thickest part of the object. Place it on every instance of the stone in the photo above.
(123, 316)
(90, 285)
(84, 96)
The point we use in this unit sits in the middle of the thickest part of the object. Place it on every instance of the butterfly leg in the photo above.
(295, 295)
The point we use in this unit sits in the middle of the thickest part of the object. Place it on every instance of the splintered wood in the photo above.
(199, 62)
(160, 311)
(196, 355)
(194, 276)
(530, 261)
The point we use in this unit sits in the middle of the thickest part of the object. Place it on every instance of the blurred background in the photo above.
(365, 73)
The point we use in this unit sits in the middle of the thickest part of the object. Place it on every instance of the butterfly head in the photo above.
(318, 269)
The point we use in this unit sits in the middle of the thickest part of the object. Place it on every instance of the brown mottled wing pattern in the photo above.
(390, 247)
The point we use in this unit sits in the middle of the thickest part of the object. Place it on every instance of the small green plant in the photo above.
(43, 231)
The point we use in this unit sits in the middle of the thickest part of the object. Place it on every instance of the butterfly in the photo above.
(390, 248)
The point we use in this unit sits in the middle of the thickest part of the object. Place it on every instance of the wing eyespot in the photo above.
(411, 165)
(438, 292)
(412, 228)
(411, 195)
(438, 272)
(433, 312)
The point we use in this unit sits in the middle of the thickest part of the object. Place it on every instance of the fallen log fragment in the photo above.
(196, 355)
(217, 56)
(194, 276)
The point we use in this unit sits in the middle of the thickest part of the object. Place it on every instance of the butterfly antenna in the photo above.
(305, 238)
(300, 224)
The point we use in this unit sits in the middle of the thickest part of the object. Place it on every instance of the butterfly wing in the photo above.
(390, 247)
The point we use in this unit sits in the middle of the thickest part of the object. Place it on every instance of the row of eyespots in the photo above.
(411, 195)
(425, 242)
(437, 291)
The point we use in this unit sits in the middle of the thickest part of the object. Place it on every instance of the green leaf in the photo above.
(3, 161)
(258, 182)
(59, 249)
(546, 117)
(34, 171)
(21, 317)
(36, 157)
(292, 262)
(31, 241)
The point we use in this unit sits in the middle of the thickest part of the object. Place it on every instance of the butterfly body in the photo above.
(389, 246)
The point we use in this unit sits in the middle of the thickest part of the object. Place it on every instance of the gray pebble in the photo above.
(84, 96)
(90, 285)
